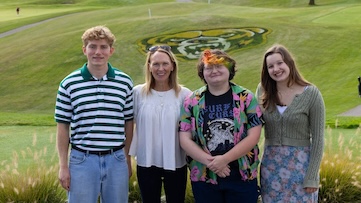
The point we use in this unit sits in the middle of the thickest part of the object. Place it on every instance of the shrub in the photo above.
(189, 194)
(134, 191)
(38, 184)
(340, 173)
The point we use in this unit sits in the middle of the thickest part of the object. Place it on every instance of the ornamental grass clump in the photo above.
(134, 191)
(37, 182)
(340, 175)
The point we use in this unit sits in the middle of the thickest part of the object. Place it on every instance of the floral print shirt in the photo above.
(246, 113)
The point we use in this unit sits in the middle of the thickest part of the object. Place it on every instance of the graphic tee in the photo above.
(219, 125)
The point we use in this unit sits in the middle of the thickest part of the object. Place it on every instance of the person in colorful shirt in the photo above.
(219, 130)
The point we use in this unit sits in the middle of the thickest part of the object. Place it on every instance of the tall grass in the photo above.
(134, 191)
(38, 183)
(30, 174)
(340, 173)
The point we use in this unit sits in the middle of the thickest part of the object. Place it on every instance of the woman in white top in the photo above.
(157, 103)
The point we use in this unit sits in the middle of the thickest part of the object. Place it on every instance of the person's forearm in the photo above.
(192, 149)
(244, 146)
(63, 144)
(129, 126)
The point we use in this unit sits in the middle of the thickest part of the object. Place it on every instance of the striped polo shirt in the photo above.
(95, 108)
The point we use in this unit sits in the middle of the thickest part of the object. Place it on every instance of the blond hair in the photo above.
(173, 77)
(97, 33)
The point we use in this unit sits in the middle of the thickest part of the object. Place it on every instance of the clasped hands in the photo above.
(219, 166)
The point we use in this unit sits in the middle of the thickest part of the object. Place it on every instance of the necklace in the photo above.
(285, 97)
(161, 96)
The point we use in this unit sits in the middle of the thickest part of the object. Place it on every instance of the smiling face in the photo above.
(98, 53)
(160, 66)
(216, 67)
(278, 70)
(215, 74)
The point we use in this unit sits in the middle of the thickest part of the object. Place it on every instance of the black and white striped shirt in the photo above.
(95, 108)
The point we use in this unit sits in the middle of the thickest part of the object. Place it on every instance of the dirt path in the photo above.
(10, 32)
(353, 112)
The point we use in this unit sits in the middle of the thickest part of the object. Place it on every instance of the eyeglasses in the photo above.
(213, 67)
(155, 48)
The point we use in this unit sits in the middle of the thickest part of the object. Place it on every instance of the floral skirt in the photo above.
(283, 169)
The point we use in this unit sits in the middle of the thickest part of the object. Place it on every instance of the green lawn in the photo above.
(27, 146)
(34, 143)
(323, 39)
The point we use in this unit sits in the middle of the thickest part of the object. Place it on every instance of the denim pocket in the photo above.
(119, 155)
(77, 157)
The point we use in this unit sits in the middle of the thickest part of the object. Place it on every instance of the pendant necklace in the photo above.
(161, 97)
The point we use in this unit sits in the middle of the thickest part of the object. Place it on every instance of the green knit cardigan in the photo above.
(301, 124)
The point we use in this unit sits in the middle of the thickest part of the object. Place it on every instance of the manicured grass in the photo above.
(32, 14)
(31, 119)
(41, 141)
(26, 145)
(33, 11)
(322, 38)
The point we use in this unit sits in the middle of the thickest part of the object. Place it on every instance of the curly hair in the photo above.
(98, 33)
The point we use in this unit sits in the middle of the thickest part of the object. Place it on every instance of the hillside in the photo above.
(324, 39)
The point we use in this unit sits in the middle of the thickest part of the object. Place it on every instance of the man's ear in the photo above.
(112, 49)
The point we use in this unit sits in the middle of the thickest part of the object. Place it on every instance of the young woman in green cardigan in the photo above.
(294, 115)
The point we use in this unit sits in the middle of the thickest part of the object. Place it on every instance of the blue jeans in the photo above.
(231, 189)
(93, 175)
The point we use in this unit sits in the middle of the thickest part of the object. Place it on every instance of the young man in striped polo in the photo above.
(94, 115)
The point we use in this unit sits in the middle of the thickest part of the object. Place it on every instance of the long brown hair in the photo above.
(269, 96)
